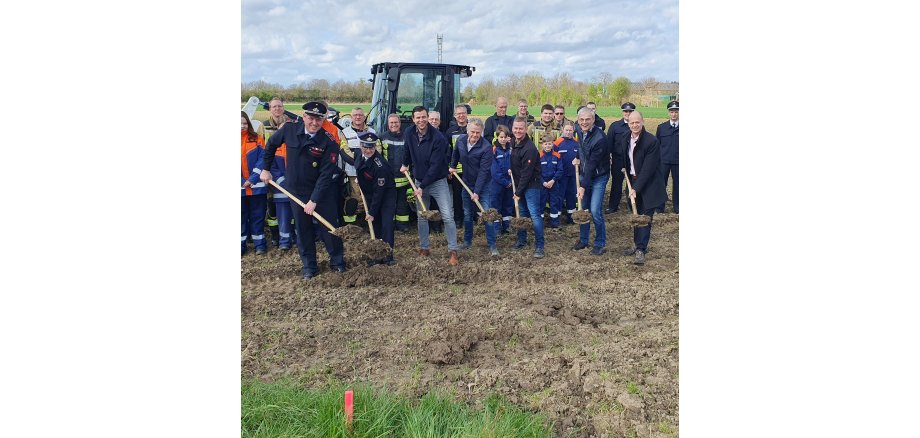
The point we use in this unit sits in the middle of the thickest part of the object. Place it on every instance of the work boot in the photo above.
(568, 219)
(424, 252)
(493, 251)
(640, 257)
(390, 261)
(519, 246)
(579, 246)
(538, 254)
(453, 260)
(598, 251)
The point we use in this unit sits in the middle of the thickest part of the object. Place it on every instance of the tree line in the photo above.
(562, 88)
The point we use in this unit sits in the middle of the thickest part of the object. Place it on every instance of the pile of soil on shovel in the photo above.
(581, 217)
(521, 223)
(594, 347)
(490, 215)
(640, 220)
(431, 215)
(348, 232)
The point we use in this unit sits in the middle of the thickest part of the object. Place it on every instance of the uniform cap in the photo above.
(315, 108)
(672, 105)
(368, 139)
(628, 106)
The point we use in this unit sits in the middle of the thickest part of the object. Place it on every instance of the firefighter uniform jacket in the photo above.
(551, 166)
(568, 151)
(375, 176)
(312, 171)
(251, 152)
(500, 165)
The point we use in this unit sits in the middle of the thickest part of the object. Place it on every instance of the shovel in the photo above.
(637, 220)
(374, 248)
(429, 215)
(488, 215)
(519, 223)
(346, 232)
(580, 216)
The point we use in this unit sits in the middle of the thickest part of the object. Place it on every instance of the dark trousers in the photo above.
(675, 193)
(641, 235)
(253, 220)
(567, 193)
(308, 226)
(455, 190)
(616, 188)
(384, 222)
(402, 207)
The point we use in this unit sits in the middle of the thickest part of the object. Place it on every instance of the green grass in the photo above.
(283, 409)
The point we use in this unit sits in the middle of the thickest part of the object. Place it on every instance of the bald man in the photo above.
(500, 117)
(643, 168)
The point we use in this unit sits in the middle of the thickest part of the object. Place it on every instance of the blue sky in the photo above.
(286, 42)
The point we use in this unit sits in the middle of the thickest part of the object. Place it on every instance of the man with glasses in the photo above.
(313, 176)
(559, 116)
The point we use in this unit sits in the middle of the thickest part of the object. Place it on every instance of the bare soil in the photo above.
(589, 341)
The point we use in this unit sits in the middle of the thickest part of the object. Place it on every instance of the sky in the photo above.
(287, 42)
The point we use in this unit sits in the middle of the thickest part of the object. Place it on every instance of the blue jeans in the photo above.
(440, 191)
(594, 195)
(471, 212)
(530, 206)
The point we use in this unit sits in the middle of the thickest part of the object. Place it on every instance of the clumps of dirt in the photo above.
(451, 348)
(522, 223)
(640, 220)
(431, 215)
(375, 248)
(490, 215)
(348, 232)
(581, 217)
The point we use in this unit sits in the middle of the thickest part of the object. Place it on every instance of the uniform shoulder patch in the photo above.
(377, 162)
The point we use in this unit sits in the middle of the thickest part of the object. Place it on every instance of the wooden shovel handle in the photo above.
(577, 185)
(415, 190)
(470, 192)
(629, 186)
(517, 210)
(371, 223)
(299, 202)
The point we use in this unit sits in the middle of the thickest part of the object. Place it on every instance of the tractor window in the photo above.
(418, 87)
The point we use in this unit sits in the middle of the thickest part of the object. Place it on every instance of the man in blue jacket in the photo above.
(594, 171)
(668, 138)
(427, 155)
(475, 155)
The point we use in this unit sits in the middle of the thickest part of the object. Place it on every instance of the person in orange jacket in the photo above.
(253, 191)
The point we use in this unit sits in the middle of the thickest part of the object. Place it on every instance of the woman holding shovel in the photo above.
(475, 154)
(378, 188)
(527, 184)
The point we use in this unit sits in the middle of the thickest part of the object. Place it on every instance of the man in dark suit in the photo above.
(667, 136)
(643, 168)
(616, 135)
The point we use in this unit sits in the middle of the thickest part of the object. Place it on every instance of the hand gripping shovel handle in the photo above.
(629, 186)
(299, 202)
(415, 190)
(370, 225)
(470, 193)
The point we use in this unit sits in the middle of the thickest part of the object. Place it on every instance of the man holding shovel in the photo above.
(594, 170)
(527, 184)
(643, 168)
(474, 153)
(427, 154)
(312, 173)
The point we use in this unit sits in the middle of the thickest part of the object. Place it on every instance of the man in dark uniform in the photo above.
(616, 136)
(375, 177)
(667, 136)
(394, 149)
(313, 176)
(643, 166)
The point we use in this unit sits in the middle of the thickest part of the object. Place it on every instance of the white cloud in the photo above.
(283, 39)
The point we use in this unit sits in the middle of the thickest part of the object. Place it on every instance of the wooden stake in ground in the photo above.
(580, 216)
(488, 215)
(637, 220)
(429, 215)
(346, 232)
(519, 223)
(374, 248)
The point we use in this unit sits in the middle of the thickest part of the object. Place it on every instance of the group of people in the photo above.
(505, 160)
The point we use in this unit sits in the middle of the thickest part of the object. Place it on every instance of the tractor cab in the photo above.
(401, 86)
